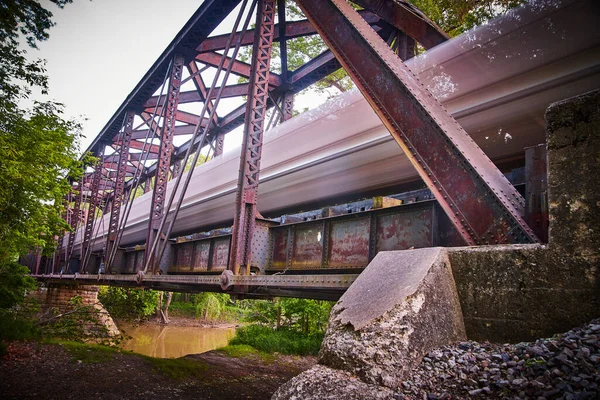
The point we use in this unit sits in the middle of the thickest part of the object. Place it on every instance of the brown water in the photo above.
(164, 341)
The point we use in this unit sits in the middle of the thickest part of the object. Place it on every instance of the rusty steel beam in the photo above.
(247, 189)
(288, 30)
(178, 130)
(239, 68)
(287, 106)
(408, 19)
(136, 144)
(95, 201)
(193, 96)
(483, 206)
(208, 16)
(74, 224)
(157, 212)
(202, 91)
(115, 209)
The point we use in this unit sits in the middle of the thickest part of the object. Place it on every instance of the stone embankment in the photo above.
(563, 367)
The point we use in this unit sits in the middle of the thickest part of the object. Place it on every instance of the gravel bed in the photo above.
(562, 367)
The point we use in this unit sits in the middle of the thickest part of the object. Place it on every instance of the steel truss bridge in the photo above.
(442, 149)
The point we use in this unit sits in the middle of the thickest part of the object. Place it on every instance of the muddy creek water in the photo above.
(164, 341)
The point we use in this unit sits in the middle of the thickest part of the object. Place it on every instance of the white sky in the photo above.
(99, 50)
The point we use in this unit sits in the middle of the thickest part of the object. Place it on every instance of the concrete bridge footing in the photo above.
(408, 302)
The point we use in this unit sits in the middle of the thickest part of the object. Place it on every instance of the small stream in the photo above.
(164, 341)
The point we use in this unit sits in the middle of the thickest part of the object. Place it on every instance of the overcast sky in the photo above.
(99, 50)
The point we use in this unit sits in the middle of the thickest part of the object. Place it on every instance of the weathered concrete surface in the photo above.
(404, 304)
(518, 293)
(58, 299)
(323, 383)
(396, 311)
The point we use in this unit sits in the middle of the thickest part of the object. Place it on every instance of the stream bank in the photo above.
(74, 371)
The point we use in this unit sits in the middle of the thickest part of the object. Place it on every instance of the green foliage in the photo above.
(14, 283)
(88, 353)
(283, 341)
(300, 315)
(38, 148)
(456, 17)
(128, 303)
(38, 144)
(178, 368)
(207, 306)
(16, 322)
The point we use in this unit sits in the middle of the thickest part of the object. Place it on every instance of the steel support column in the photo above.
(287, 106)
(481, 203)
(95, 200)
(74, 224)
(115, 209)
(157, 212)
(247, 189)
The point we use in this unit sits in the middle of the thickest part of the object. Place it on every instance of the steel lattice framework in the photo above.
(159, 130)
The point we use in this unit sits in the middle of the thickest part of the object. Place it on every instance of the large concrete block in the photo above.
(323, 383)
(403, 305)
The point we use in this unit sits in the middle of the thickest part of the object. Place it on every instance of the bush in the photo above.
(128, 303)
(282, 341)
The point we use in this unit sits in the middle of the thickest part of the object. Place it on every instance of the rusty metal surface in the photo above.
(95, 200)
(536, 190)
(247, 189)
(74, 223)
(115, 210)
(166, 149)
(347, 241)
(477, 198)
(408, 19)
(333, 281)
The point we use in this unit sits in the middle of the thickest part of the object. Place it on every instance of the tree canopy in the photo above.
(39, 146)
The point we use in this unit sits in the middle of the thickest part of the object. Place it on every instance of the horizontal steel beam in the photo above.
(322, 281)
(293, 29)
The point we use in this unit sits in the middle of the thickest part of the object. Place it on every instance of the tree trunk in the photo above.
(166, 307)
(278, 315)
(159, 305)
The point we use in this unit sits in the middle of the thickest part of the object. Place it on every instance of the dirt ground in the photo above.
(53, 371)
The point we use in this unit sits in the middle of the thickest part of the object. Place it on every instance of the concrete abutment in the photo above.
(56, 299)
(401, 307)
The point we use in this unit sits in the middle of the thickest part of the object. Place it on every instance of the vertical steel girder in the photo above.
(74, 223)
(115, 210)
(244, 220)
(94, 201)
(481, 203)
(287, 106)
(157, 212)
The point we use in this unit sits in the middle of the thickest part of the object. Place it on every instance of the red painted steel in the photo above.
(348, 241)
(95, 201)
(157, 212)
(74, 223)
(408, 19)
(247, 190)
(478, 199)
(115, 209)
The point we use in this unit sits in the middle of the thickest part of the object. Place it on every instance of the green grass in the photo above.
(88, 353)
(282, 341)
(245, 351)
(177, 368)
